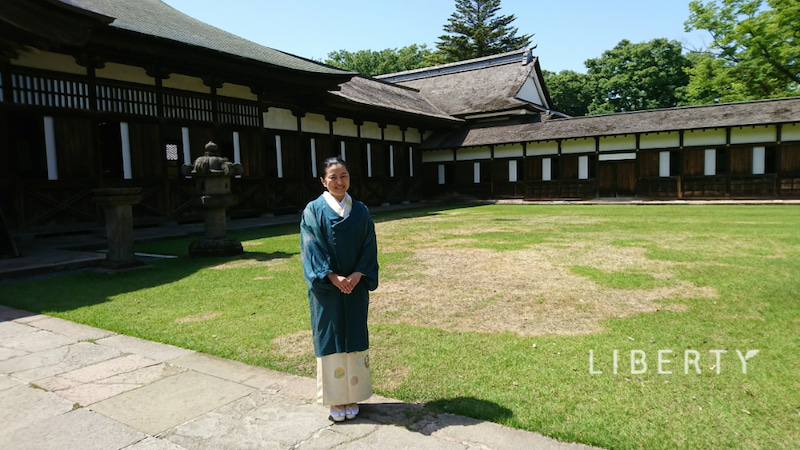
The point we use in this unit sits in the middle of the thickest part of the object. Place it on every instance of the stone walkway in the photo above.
(69, 386)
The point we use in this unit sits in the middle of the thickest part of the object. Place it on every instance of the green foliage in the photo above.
(390, 60)
(572, 92)
(632, 77)
(475, 30)
(756, 50)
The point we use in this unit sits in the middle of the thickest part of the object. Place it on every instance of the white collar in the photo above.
(342, 208)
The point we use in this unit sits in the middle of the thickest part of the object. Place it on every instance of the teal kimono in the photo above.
(342, 245)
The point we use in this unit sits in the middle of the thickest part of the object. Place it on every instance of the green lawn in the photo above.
(493, 312)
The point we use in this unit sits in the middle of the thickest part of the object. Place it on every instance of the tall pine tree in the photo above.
(475, 30)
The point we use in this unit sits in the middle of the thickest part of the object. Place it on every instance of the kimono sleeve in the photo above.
(368, 256)
(313, 249)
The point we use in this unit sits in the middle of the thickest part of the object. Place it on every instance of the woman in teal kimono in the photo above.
(340, 265)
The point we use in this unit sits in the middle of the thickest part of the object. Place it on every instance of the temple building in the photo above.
(107, 93)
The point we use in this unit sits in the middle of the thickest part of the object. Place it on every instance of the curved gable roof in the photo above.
(491, 84)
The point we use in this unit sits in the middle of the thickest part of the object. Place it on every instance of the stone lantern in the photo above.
(212, 176)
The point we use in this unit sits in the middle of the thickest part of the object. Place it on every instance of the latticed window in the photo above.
(172, 152)
(178, 106)
(38, 90)
(236, 113)
(126, 100)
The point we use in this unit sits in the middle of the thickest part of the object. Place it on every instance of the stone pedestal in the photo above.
(117, 203)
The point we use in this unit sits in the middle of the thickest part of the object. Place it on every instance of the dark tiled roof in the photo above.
(762, 112)
(372, 92)
(155, 18)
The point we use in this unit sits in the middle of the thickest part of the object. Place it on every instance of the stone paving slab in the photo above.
(23, 406)
(75, 330)
(398, 438)
(260, 420)
(79, 429)
(153, 350)
(13, 330)
(171, 401)
(48, 363)
(152, 443)
(36, 341)
(6, 382)
(107, 379)
(8, 353)
(219, 367)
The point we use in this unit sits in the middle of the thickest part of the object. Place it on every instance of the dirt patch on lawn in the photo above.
(528, 292)
(198, 317)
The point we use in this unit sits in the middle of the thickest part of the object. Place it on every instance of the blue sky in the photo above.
(567, 32)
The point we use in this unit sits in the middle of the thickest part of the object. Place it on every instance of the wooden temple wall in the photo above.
(735, 162)
(66, 133)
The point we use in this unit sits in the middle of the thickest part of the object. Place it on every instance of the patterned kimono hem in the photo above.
(343, 378)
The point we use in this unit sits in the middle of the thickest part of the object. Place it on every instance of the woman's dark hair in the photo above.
(332, 161)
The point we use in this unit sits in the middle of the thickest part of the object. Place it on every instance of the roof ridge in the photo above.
(463, 66)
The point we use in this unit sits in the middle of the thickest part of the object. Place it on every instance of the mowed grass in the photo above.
(702, 287)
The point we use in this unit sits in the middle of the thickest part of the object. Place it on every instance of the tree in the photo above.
(474, 30)
(713, 80)
(572, 92)
(632, 77)
(758, 46)
(390, 60)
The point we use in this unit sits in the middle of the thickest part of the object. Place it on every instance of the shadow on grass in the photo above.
(51, 293)
(56, 292)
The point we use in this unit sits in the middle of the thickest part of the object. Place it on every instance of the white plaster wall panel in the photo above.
(541, 148)
(759, 160)
(509, 151)
(512, 171)
(49, 61)
(714, 136)
(663, 164)
(413, 136)
(123, 72)
(660, 140)
(315, 123)
(790, 132)
(583, 167)
(236, 91)
(616, 156)
(370, 130)
(437, 156)
(186, 83)
(610, 143)
(280, 119)
(393, 133)
(530, 92)
(577, 146)
(751, 135)
(710, 163)
(547, 169)
(468, 154)
(345, 127)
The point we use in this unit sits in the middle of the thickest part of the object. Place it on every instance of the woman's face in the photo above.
(336, 181)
